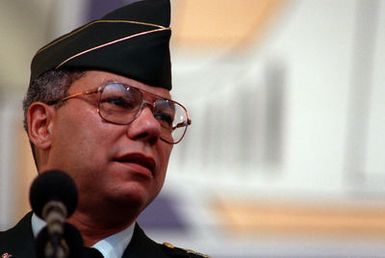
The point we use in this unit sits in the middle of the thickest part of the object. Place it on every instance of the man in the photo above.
(99, 107)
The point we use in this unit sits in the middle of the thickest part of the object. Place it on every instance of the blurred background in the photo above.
(285, 156)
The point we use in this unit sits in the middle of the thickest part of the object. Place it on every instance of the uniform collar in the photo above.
(111, 247)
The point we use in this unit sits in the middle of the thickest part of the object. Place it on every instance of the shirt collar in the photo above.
(37, 224)
(111, 247)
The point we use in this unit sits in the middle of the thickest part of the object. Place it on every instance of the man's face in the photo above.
(111, 164)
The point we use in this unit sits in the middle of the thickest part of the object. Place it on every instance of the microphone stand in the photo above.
(69, 244)
(55, 213)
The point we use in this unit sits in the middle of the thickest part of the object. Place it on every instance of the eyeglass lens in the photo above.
(122, 104)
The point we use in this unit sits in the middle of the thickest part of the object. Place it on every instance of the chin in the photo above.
(135, 197)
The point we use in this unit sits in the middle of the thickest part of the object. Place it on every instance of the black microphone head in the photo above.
(53, 185)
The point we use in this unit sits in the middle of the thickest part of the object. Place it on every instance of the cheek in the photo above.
(164, 155)
(79, 137)
(82, 124)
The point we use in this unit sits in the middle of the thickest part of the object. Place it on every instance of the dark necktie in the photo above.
(91, 253)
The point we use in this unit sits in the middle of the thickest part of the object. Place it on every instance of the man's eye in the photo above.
(165, 119)
(119, 102)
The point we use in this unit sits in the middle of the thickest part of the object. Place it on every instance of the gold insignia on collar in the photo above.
(6, 255)
(196, 253)
(169, 245)
(188, 251)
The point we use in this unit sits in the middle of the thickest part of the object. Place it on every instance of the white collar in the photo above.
(111, 247)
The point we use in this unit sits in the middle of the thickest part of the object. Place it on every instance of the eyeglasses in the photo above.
(119, 103)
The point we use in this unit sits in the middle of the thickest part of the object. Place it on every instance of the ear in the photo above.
(40, 122)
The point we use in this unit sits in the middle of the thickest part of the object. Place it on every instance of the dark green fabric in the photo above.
(19, 242)
(115, 44)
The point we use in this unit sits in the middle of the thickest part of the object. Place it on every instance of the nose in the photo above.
(145, 127)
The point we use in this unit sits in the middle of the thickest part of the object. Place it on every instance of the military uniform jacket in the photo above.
(18, 242)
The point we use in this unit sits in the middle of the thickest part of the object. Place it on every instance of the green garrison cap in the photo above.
(132, 41)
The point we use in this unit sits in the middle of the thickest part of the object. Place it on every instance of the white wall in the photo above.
(312, 47)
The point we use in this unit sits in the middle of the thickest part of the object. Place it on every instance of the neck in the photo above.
(94, 229)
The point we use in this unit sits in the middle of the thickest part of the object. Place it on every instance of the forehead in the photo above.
(94, 79)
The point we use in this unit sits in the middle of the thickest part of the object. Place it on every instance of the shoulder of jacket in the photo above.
(174, 251)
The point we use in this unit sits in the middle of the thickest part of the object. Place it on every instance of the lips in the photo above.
(138, 159)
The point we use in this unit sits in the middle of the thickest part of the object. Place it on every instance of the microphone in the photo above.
(53, 186)
(53, 197)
